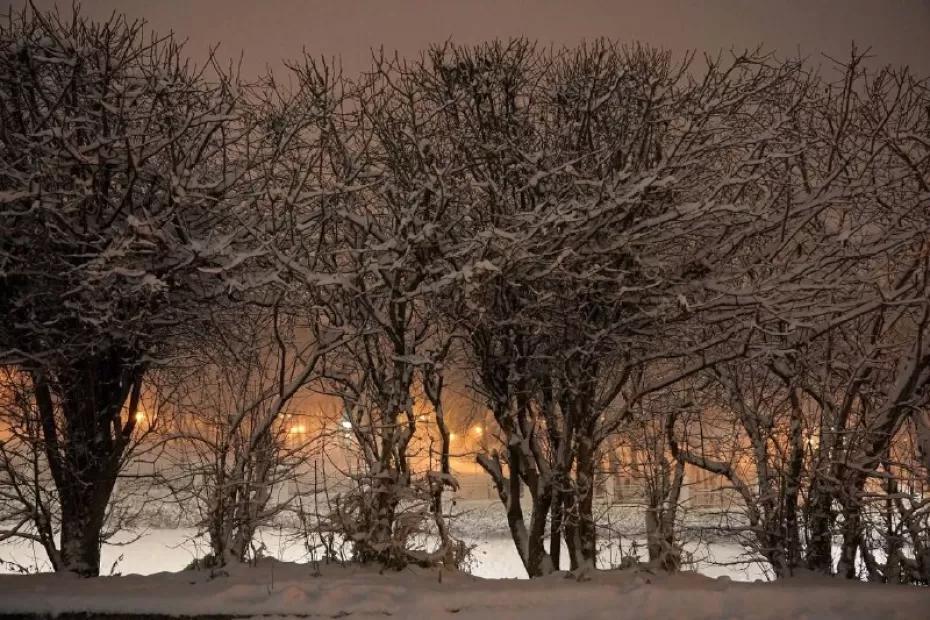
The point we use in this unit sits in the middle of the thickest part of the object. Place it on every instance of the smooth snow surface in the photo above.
(157, 550)
(273, 587)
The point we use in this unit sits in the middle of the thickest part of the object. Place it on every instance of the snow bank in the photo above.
(493, 556)
(274, 587)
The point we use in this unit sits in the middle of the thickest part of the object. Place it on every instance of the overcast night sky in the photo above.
(271, 30)
(526, 309)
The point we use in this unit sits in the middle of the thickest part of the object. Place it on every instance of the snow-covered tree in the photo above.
(117, 169)
(616, 198)
(398, 260)
(239, 434)
(841, 363)
(243, 426)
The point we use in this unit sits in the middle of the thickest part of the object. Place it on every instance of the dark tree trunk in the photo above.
(580, 531)
(852, 538)
(555, 529)
(86, 437)
(81, 526)
(539, 562)
(661, 513)
(529, 541)
(820, 527)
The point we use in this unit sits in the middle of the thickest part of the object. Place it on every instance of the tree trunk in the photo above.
(581, 532)
(529, 542)
(85, 446)
(820, 526)
(555, 529)
(81, 525)
(852, 538)
(653, 535)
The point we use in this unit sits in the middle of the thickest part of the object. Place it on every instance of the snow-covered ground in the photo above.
(158, 550)
(309, 590)
(480, 523)
(151, 562)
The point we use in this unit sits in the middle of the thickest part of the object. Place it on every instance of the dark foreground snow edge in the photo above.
(332, 591)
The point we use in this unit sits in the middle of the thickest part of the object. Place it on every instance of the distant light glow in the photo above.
(478, 430)
(346, 424)
(140, 416)
(297, 429)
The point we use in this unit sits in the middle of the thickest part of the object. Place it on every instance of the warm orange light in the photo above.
(297, 429)
(140, 416)
(451, 436)
(478, 430)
